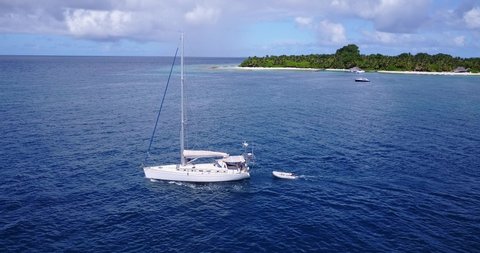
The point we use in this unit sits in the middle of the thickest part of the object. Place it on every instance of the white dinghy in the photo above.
(284, 175)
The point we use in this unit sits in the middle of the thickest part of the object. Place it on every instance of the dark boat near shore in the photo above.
(362, 79)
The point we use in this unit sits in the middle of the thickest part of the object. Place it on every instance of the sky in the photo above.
(229, 28)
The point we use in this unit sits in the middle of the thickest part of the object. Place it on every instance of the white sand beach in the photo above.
(347, 70)
(276, 68)
(429, 73)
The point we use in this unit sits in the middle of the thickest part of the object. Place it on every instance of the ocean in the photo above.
(387, 166)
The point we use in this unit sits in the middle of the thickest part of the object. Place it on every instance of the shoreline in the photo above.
(347, 70)
(276, 68)
(428, 73)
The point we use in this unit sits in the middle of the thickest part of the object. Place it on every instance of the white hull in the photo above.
(284, 175)
(201, 173)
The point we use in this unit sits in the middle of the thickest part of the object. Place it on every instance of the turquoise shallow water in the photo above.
(391, 165)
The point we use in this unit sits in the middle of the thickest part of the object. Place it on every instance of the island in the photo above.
(349, 57)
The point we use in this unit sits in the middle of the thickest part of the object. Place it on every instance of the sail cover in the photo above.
(192, 154)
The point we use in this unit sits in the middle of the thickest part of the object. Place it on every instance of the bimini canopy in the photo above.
(194, 154)
(234, 159)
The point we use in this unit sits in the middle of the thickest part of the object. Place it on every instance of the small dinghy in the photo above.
(284, 175)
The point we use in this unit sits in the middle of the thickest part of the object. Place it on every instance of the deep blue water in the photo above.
(391, 165)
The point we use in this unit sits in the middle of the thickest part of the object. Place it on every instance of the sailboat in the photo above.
(223, 167)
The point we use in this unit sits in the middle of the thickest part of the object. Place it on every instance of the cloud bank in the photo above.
(99, 24)
(330, 23)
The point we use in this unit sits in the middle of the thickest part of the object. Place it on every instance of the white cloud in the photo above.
(341, 4)
(402, 16)
(459, 41)
(331, 33)
(98, 24)
(303, 21)
(398, 16)
(333, 22)
(161, 15)
(472, 18)
(328, 33)
(445, 42)
(202, 15)
(30, 21)
(385, 38)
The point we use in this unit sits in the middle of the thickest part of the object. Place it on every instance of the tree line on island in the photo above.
(349, 56)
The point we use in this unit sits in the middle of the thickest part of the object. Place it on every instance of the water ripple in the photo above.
(390, 166)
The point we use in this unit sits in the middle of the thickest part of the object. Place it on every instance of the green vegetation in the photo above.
(349, 56)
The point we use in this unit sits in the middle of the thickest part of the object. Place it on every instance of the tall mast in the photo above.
(182, 127)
